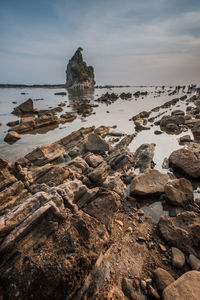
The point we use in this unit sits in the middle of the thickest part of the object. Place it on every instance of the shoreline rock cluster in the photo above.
(72, 224)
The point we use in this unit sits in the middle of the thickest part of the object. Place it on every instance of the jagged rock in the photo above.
(128, 288)
(120, 159)
(104, 206)
(78, 74)
(107, 98)
(110, 291)
(163, 278)
(125, 96)
(99, 175)
(102, 130)
(185, 162)
(93, 160)
(12, 137)
(115, 184)
(24, 108)
(96, 144)
(149, 183)
(185, 287)
(144, 157)
(68, 117)
(181, 231)
(50, 175)
(179, 192)
(194, 262)
(178, 258)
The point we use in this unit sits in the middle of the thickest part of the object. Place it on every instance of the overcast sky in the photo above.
(144, 42)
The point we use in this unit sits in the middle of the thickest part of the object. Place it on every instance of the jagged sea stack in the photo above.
(78, 74)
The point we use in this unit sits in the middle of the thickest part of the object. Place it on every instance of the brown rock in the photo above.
(163, 278)
(181, 231)
(93, 160)
(184, 288)
(185, 162)
(178, 258)
(24, 108)
(12, 137)
(98, 175)
(179, 192)
(149, 183)
(96, 144)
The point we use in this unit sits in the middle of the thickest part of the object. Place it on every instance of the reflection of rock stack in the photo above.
(78, 74)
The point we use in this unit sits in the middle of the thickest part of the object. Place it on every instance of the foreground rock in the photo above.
(149, 183)
(185, 287)
(163, 278)
(185, 162)
(144, 157)
(181, 231)
(78, 74)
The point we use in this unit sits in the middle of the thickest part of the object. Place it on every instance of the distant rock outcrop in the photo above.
(78, 74)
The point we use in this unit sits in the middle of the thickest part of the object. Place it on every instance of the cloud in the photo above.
(141, 42)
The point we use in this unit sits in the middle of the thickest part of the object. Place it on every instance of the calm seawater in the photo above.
(119, 114)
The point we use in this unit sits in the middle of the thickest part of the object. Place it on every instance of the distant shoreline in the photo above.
(32, 86)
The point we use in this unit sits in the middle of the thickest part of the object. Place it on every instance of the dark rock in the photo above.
(181, 231)
(157, 132)
(13, 123)
(3, 163)
(12, 137)
(96, 144)
(185, 139)
(61, 93)
(78, 74)
(194, 262)
(185, 162)
(143, 157)
(196, 131)
(24, 108)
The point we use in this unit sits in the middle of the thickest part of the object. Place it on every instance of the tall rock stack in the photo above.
(78, 74)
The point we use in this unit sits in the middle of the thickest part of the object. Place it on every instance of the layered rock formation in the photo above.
(78, 74)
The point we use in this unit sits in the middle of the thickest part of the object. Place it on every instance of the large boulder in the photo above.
(185, 287)
(181, 231)
(149, 183)
(185, 162)
(78, 74)
(179, 192)
(163, 278)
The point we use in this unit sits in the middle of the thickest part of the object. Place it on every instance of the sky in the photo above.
(143, 42)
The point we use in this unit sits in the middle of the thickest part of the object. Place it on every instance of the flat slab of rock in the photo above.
(96, 144)
(149, 183)
(179, 192)
(185, 162)
(185, 287)
(182, 231)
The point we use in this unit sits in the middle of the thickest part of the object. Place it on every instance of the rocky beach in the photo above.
(99, 190)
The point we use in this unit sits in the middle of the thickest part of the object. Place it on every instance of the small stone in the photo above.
(162, 248)
(153, 292)
(194, 262)
(143, 285)
(129, 229)
(119, 222)
(178, 258)
(141, 239)
(140, 212)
